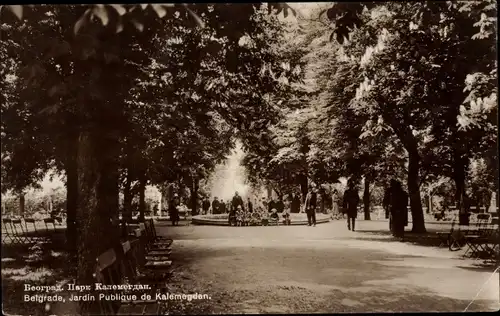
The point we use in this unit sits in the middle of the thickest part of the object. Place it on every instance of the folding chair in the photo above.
(19, 231)
(8, 231)
(474, 238)
(36, 234)
(49, 221)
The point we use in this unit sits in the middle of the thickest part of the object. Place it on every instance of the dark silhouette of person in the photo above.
(350, 204)
(295, 206)
(237, 201)
(249, 206)
(386, 203)
(398, 208)
(271, 205)
(310, 205)
(279, 205)
(173, 210)
(215, 206)
(222, 208)
(205, 205)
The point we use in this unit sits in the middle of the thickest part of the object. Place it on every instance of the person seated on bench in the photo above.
(246, 217)
(255, 219)
(264, 217)
(274, 216)
(239, 216)
(232, 217)
(286, 216)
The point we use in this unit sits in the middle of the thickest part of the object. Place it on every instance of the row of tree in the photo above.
(405, 90)
(118, 97)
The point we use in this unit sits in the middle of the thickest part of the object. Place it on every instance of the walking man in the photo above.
(310, 206)
(350, 204)
(206, 205)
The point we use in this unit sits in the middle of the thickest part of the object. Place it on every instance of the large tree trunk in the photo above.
(96, 202)
(366, 199)
(417, 212)
(142, 197)
(71, 169)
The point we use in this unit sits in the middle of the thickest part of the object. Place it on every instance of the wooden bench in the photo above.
(110, 270)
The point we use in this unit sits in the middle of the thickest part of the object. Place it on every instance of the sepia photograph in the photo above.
(249, 158)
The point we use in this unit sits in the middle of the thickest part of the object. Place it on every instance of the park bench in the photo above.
(15, 231)
(153, 239)
(155, 263)
(110, 271)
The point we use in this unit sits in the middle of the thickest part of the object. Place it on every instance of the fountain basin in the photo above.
(222, 219)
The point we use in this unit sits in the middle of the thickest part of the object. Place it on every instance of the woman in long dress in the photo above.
(335, 203)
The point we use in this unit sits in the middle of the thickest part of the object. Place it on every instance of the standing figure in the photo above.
(295, 207)
(205, 206)
(350, 204)
(279, 205)
(386, 203)
(310, 206)
(222, 207)
(236, 201)
(215, 206)
(173, 210)
(335, 203)
(249, 206)
(286, 211)
(398, 208)
(239, 216)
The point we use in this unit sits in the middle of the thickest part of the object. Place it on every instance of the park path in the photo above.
(327, 268)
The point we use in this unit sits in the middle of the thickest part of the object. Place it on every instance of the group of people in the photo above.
(264, 212)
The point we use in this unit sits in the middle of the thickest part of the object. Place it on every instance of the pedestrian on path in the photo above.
(350, 204)
(310, 206)
(335, 203)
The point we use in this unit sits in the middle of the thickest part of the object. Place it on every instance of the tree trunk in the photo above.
(142, 197)
(417, 212)
(366, 199)
(303, 187)
(194, 197)
(21, 204)
(71, 169)
(95, 202)
(128, 197)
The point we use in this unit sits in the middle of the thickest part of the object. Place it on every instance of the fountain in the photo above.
(230, 177)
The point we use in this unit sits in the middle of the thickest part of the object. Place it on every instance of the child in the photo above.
(286, 216)
(274, 216)
(246, 217)
(255, 220)
(239, 216)
(265, 217)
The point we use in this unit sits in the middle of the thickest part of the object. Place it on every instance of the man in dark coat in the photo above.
(279, 205)
(173, 210)
(310, 206)
(295, 207)
(222, 207)
(215, 206)
(249, 206)
(350, 204)
(237, 201)
(205, 205)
